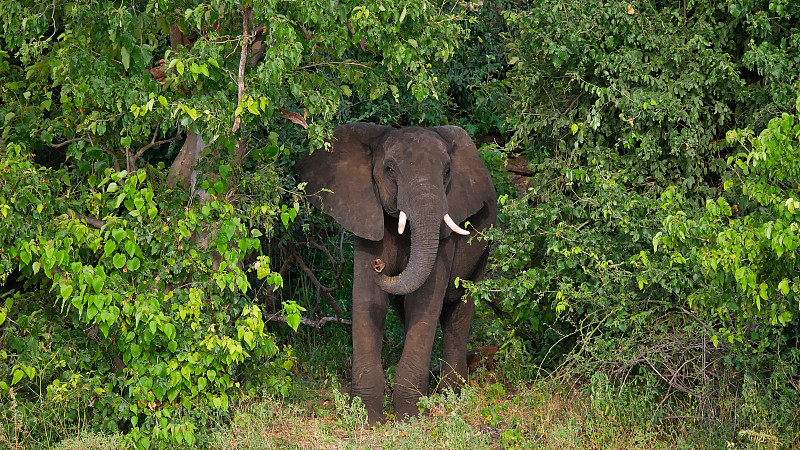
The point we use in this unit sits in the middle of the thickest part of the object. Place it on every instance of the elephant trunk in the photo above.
(425, 221)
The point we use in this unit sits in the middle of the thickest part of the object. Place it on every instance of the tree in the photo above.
(144, 148)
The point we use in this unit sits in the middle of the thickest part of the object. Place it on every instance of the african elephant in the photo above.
(376, 181)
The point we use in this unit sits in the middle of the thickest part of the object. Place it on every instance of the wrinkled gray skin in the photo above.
(374, 172)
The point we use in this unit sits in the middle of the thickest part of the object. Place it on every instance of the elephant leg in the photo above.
(455, 321)
(422, 309)
(370, 306)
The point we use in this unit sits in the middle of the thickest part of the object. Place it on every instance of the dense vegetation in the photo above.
(155, 242)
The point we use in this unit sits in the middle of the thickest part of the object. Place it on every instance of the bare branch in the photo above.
(114, 158)
(318, 324)
(338, 266)
(242, 63)
(153, 143)
(95, 222)
(323, 290)
(333, 64)
(67, 142)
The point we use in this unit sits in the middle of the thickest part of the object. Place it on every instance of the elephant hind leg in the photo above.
(455, 321)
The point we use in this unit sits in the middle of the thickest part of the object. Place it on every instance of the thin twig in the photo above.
(338, 266)
(132, 159)
(323, 290)
(690, 417)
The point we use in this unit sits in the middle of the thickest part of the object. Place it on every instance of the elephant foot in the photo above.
(406, 411)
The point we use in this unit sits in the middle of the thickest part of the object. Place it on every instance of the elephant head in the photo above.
(430, 179)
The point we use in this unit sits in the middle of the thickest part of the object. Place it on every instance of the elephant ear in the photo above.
(346, 171)
(471, 185)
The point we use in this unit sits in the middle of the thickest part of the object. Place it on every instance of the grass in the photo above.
(487, 414)
(490, 413)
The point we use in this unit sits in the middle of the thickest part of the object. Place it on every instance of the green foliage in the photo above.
(171, 325)
(641, 223)
(657, 83)
(351, 411)
(319, 56)
(125, 283)
(743, 248)
(126, 306)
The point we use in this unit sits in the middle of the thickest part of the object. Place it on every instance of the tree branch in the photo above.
(132, 159)
(309, 322)
(67, 142)
(95, 222)
(242, 62)
(114, 158)
(323, 290)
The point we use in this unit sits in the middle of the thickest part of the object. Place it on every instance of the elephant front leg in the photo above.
(422, 309)
(370, 306)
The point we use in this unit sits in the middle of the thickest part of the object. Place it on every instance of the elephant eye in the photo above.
(389, 170)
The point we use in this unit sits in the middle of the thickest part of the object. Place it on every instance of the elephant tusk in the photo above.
(453, 226)
(401, 223)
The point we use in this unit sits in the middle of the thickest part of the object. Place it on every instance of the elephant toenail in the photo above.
(378, 265)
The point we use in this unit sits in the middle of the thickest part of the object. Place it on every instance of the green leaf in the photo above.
(119, 260)
(18, 374)
(133, 263)
(224, 171)
(66, 291)
(109, 247)
(118, 234)
(98, 280)
(293, 320)
(126, 57)
(130, 247)
(169, 330)
(784, 286)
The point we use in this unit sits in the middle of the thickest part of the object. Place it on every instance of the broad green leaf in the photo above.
(119, 260)
(784, 286)
(293, 320)
(133, 263)
(126, 57)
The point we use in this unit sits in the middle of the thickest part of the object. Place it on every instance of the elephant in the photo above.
(376, 181)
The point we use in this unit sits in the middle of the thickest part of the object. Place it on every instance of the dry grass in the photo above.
(486, 415)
